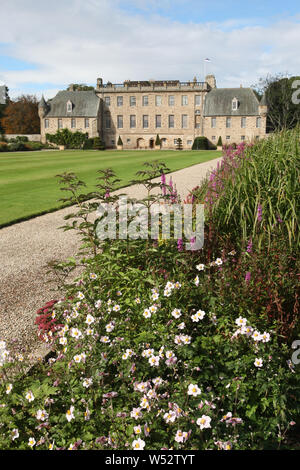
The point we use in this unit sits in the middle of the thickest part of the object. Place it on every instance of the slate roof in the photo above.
(218, 102)
(85, 104)
(2, 94)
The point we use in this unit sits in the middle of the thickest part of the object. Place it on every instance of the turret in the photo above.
(43, 108)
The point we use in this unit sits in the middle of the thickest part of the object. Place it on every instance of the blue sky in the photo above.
(43, 50)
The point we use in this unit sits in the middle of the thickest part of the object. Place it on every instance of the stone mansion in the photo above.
(139, 111)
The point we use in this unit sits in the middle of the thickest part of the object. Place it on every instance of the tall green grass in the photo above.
(254, 194)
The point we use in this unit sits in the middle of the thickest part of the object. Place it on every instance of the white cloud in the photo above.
(81, 40)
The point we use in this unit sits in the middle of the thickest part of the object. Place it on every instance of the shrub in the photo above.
(88, 144)
(157, 140)
(17, 146)
(120, 142)
(200, 143)
(179, 144)
(4, 147)
(219, 144)
(153, 341)
(71, 140)
(98, 144)
(34, 145)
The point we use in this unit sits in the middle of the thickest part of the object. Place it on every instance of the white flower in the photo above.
(31, 441)
(204, 422)
(265, 337)
(110, 326)
(93, 276)
(148, 352)
(9, 388)
(196, 281)
(77, 358)
(181, 326)
(63, 340)
(89, 331)
(14, 434)
(153, 308)
(170, 417)
(147, 313)
(89, 319)
(258, 362)
(116, 308)
(80, 295)
(70, 413)
(136, 413)
(29, 396)
(181, 436)
(87, 382)
(218, 262)
(200, 267)
(42, 415)
(176, 313)
(137, 300)
(194, 390)
(157, 381)
(256, 336)
(98, 304)
(144, 403)
(155, 296)
(154, 360)
(138, 444)
(137, 429)
(75, 333)
(105, 339)
(241, 321)
(247, 330)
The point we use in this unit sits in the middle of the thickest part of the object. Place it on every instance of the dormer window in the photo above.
(69, 106)
(235, 104)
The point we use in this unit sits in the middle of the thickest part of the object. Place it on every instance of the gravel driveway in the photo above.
(25, 249)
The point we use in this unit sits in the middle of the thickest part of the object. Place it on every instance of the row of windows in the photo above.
(228, 122)
(163, 141)
(73, 123)
(158, 100)
(243, 137)
(145, 121)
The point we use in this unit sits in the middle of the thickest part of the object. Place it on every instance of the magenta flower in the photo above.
(248, 276)
(259, 212)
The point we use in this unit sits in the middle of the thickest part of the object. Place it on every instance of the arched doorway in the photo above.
(140, 143)
(151, 143)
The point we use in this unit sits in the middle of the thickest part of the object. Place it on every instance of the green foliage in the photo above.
(219, 144)
(98, 144)
(200, 143)
(71, 140)
(153, 337)
(157, 140)
(120, 142)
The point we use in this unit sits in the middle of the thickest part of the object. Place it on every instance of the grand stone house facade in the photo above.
(139, 111)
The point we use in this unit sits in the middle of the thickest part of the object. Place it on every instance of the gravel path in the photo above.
(25, 249)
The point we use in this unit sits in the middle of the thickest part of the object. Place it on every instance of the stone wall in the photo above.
(31, 137)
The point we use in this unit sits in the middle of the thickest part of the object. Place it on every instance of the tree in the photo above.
(179, 144)
(277, 93)
(21, 116)
(80, 87)
(157, 140)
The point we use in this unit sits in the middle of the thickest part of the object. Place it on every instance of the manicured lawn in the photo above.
(28, 185)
